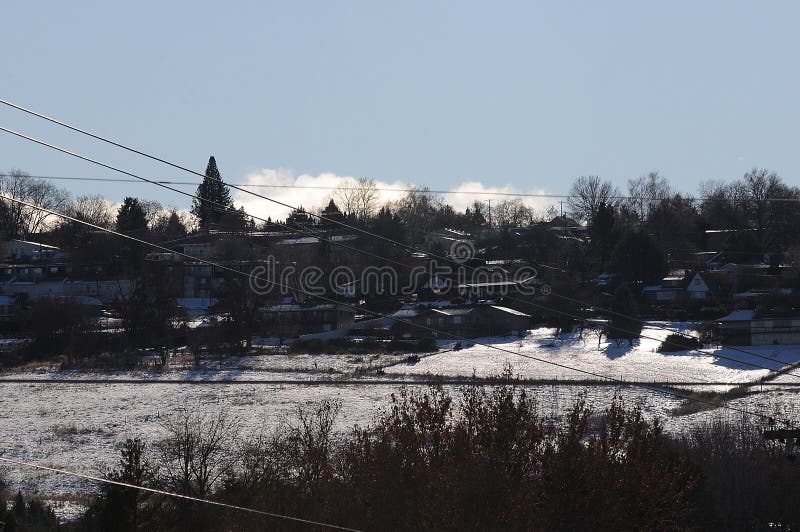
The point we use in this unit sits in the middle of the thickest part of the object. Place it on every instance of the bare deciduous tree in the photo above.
(93, 209)
(512, 213)
(152, 211)
(645, 192)
(417, 209)
(20, 220)
(307, 441)
(358, 198)
(586, 195)
(199, 450)
(764, 196)
(759, 202)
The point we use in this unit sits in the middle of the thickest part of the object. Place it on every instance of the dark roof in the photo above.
(449, 311)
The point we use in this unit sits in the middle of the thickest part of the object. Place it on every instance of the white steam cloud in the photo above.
(314, 191)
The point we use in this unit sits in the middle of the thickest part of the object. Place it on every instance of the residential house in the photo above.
(198, 280)
(450, 240)
(477, 291)
(698, 289)
(8, 308)
(747, 327)
(466, 321)
(196, 306)
(105, 290)
(201, 250)
(292, 319)
(566, 226)
(24, 250)
(678, 287)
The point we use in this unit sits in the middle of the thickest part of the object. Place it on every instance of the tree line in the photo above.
(759, 202)
(631, 233)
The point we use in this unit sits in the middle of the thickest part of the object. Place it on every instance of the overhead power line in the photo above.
(312, 187)
(238, 186)
(215, 205)
(406, 190)
(174, 495)
(344, 224)
(351, 248)
(427, 380)
(339, 222)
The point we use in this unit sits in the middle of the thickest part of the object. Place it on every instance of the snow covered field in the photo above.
(79, 426)
(641, 362)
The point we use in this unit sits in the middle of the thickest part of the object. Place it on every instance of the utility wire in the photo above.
(653, 325)
(60, 471)
(344, 224)
(407, 190)
(427, 380)
(224, 208)
(239, 187)
(215, 205)
(393, 318)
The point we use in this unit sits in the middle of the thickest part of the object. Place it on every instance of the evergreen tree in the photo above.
(119, 507)
(148, 313)
(603, 231)
(19, 505)
(169, 226)
(638, 258)
(389, 225)
(237, 220)
(331, 215)
(299, 218)
(622, 323)
(175, 226)
(131, 216)
(213, 199)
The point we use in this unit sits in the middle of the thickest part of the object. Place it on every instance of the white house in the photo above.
(675, 287)
(697, 288)
(33, 251)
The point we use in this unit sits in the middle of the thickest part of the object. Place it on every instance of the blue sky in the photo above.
(521, 95)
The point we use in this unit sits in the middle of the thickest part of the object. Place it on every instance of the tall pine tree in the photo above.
(213, 199)
(131, 216)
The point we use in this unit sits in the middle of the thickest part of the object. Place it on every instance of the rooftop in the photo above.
(453, 311)
(293, 307)
(510, 311)
(739, 315)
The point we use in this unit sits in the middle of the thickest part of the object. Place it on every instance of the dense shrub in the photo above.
(679, 342)
(746, 481)
(486, 460)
